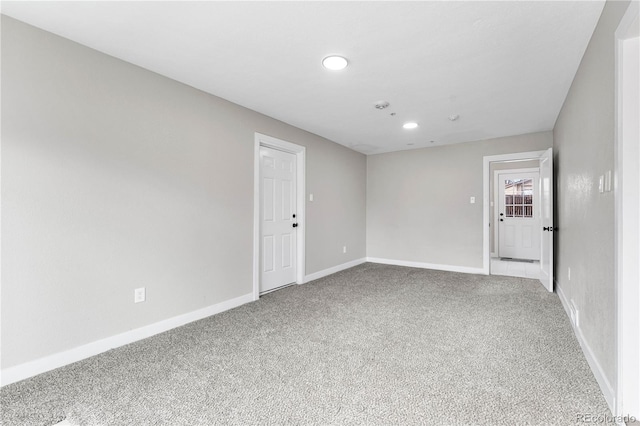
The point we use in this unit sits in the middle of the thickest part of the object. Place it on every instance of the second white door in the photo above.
(278, 219)
(519, 215)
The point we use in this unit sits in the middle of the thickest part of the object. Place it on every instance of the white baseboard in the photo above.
(60, 359)
(451, 268)
(334, 269)
(563, 298)
(596, 368)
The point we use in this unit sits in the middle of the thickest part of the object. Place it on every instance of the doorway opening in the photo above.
(515, 218)
(518, 215)
(278, 214)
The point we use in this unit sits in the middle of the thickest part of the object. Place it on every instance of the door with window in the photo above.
(519, 215)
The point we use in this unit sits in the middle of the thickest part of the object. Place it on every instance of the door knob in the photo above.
(547, 228)
(295, 225)
(501, 220)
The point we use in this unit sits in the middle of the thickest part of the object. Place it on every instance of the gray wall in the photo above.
(584, 150)
(114, 177)
(418, 201)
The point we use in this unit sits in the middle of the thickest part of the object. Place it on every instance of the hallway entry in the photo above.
(518, 215)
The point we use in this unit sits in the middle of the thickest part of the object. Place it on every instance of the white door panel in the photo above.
(527, 237)
(509, 235)
(278, 231)
(268, 251)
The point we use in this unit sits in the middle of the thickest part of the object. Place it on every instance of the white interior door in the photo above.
(278, 219)
(519, 215)
(546, 208)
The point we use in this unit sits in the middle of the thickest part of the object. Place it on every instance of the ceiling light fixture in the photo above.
(335, 63)
(454, 117)
(410, 125)
(381, 104)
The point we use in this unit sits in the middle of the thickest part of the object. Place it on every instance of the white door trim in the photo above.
(627, 218)
(300, 153)
(486, 201)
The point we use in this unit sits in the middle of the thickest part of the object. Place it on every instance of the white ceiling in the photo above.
(504, 67)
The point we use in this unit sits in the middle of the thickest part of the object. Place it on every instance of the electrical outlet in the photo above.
(472, 200)
(344, 249)
(139, 295)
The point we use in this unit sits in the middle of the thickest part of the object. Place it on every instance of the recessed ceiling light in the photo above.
(335, 63)
(410, 125)
(454, 117)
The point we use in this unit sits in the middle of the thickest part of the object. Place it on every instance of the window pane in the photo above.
(528, 211)
(518, 197)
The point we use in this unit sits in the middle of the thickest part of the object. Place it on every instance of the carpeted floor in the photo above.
(373, 345)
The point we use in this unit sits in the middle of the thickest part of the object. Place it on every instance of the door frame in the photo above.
(627, 217)
(486, 201)
(300, 153)
(496, 201)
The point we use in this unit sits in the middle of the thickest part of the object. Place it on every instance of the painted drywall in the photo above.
(584, 150)
(418, 207)
(114, 178)
(493, 167)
